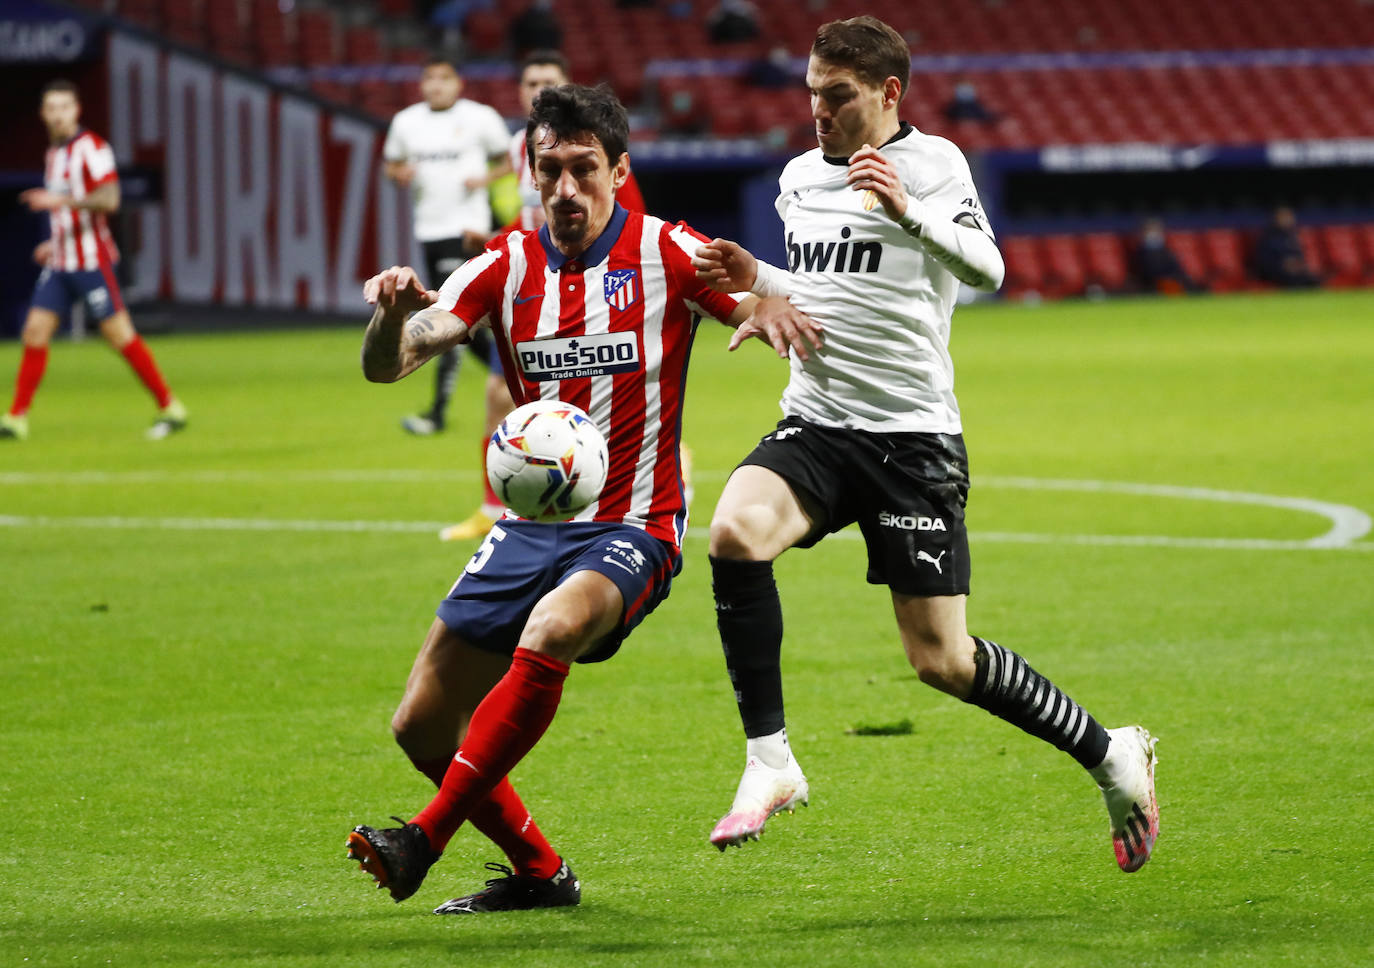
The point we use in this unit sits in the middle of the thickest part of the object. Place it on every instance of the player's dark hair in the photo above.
(60, 86)
(434, 60)
(573, 110)
(538, 58)
(868, 47)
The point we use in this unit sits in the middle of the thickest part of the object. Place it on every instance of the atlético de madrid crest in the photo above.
(622, 288)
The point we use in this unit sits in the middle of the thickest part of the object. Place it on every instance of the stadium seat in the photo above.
(1187, 246)
(1064, 272)
(1225, 254)
(1025, 275)
(1105, 258)
(1345, 261)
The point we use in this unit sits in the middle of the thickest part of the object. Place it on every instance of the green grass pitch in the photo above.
(203, 640)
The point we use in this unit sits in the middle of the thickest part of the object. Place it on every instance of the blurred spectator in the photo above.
(965, 105)
(624, 4)
(1156, 265)
(732, 21)
(536, 28)
(683, 113)
(774, 70)
(1278, 255)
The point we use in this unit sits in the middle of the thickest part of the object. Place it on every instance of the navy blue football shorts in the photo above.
(907, 492)
(57, 290)
(522, 561)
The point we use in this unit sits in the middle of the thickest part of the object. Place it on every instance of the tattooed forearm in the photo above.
(392, 348)
(382, 348)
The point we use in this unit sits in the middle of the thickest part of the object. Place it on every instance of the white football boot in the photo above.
(1127, 780)
(763, 791)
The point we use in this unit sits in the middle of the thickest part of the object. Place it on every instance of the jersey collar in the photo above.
(594, 255)
(903, 130)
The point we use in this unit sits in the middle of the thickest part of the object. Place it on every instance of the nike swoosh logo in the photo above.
(459, 758)
(520, 302)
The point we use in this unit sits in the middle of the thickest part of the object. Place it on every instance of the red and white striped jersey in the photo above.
(610, 332)
(80, 237)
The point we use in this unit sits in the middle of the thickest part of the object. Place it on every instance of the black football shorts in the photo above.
(907, 492)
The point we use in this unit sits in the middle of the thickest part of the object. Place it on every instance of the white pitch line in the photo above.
(432, 527)
(216, 524)
(1348, 524)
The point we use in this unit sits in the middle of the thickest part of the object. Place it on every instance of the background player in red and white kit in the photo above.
(80, 188)
(882, 224)
(598, 308)
(540, 69)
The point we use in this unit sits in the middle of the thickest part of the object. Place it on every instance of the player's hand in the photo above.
(42, 200)
(42, 253)
(870, 171)
(402, 174)
(474, 242)
(398, 291)
(725, 266)
(782, 326)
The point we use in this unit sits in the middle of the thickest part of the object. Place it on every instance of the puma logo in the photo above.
(925, 556)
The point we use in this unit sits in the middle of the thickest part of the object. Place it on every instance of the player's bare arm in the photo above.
(725, 266)
(961, 247)
(498, 166)
(103, 199)
(401, 172)
(405, 330)
(781, 325)
(42, 252)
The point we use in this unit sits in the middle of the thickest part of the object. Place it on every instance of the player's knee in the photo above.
(406, 728)
(555, 633)
(939, 665)
(732, 537)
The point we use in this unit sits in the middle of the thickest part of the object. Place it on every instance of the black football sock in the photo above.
(749, 617)
(1005, 685)
(445, 379)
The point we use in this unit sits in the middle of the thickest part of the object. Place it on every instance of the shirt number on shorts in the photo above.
(484, 552)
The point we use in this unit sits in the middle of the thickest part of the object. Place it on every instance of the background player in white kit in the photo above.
(878, 240)
(447, 150)
(539, 70)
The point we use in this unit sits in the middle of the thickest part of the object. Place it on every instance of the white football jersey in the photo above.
(447, 148)
(884, 302)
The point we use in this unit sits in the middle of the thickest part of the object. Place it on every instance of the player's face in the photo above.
(848, 112)
(440, 86)
(534, 79)
(577, 184)
(60, 112)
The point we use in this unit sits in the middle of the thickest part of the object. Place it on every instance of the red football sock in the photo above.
(139, 357)
(503, 819)
(505, 726)
(31, 367)
(489, 499)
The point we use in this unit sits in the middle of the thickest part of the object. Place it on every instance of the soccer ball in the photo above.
(547, 461)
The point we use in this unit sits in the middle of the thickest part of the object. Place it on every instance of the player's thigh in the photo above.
(576, 616)
(934, 631)
(758, 516)
(39, 326)
(447, 681)
(118, 329)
